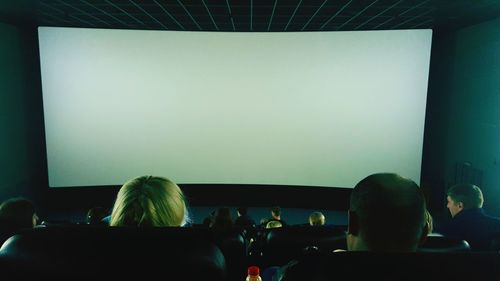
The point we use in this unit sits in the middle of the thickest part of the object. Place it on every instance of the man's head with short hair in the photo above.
(387, 213)
(316, 218)
(464, 197)
(276, 212)
(19, 213)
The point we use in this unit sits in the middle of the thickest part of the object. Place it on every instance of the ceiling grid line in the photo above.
(210, 14)
(357, 15)
(230, 14)
(169, 15)
(82, 20)
(383, 23)
(151, 16)
(83, 12)
(293, 15)
(377, 15)
(422, 23)
(336, 14)
(189, 14)
(272, 15)
(251, 15)
(412, 18)
(128, 14)
(53, 8)
(55, 18)
(399, 15)
(104, 12)
(310, 19)
(414, 7)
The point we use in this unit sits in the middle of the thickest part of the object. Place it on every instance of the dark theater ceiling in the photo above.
(251, 15)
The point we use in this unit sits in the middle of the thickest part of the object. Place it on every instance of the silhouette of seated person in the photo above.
(246, 223)
(387, 213)
(16, 214)
(468, 219)
(231, 241)
(96, 215)
(275, 216)
(316, 219)
(243, 218)
(222, 223)
(149, 201)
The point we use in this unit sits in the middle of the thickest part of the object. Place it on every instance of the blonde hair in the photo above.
(317, 218)
(149, 201)
(274, 224)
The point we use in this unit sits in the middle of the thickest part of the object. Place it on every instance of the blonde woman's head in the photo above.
(149, 201)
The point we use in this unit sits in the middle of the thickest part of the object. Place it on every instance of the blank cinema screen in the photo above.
(291, 108)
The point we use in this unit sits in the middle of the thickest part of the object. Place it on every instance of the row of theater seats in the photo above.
(281, 245)
(194, 253)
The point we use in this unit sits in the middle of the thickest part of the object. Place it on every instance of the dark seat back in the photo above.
(234, 247)
(444, 244)
(495, 243)
(285, 244)
(395, 266)
(121, 252)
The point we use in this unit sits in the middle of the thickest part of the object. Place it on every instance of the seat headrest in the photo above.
(444, 244)
(116, 250)
(304, 234)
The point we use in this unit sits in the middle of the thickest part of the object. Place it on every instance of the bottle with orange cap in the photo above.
(253, 273)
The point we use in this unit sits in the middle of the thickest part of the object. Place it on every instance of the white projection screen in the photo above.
(291, 108)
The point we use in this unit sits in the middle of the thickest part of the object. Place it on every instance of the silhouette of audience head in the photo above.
(316, 218)
(274, 224)
(149, 201)
(463, 197)
(222, 219)
(18, 213)
(276, 213)
(95, 215)
(242, 211)
(387, 213)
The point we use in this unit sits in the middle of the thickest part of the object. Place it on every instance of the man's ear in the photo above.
(460, 205)
(353, 223)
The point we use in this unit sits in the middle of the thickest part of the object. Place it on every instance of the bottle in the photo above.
(253, 274)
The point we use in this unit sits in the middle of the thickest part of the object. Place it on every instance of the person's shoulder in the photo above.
(493, 222)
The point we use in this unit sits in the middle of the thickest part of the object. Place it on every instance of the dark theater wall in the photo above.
(22, 168)
(462, 135)
(473, 123)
